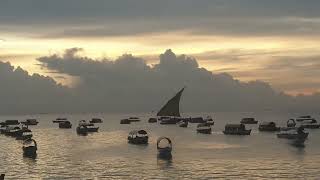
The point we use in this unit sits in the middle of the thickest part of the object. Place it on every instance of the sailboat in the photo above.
(170, 112)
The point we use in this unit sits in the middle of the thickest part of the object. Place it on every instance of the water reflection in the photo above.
(164, 162)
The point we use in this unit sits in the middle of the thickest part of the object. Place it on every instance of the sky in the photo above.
(275, 42)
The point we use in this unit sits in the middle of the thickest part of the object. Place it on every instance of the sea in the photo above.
(62, 154)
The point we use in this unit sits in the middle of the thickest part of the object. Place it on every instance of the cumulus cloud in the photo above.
(128, 84)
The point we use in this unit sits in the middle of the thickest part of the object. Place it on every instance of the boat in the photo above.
(183, 123)
(164, 147)
(90, 126)
(170, 112)
(304, 118)
(10, 122)
(30, 122)
(291, 124)
(296, 133)
(13, 130)
(248, 121)
(169, 120)
(208, 120)
(82, 130)
(96, 120)
(25, 134)
(310, 124)
(236, 129)
(65, 125)
(30, 148)
(268, 126)
(196, 120)
(204, 128)
(125, 121)
(152, 120)
(138, 137)
(59, 120)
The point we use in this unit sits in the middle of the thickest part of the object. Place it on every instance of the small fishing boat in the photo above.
(65, 125)
(152, 120)
(13, 130)
(169, 120)
(204, 128)
(304, 118)
(82, 130)
(296, 133)
(291, 124)
(196, 120)
(208, 120)
(96, 120)
(183, 123)
(248, 121)
(30, 148)
(138, 137)
(236, 129)
(310, 124)
(125, 121)
(90, 126)
(268, 126)
(59, 120)
(25, 134)
(30, 122)
(10, 122)
(164, 147)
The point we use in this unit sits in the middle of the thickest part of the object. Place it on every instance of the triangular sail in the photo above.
(171, 108)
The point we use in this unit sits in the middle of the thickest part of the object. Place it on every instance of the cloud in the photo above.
(80, 18)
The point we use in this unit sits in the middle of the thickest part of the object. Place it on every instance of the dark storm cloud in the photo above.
(96, 18)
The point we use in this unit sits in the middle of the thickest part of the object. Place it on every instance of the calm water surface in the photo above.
(62, 154)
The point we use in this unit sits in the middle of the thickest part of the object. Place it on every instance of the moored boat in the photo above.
(268, 126)
(304, 118)
(90, 126)
(236, 129)
(296, 133)
(30, 122)
(164, 147)
(59, 120)
(204, 128)
(152, 120)
(30, 148)
(65, 125)
(138, 137)
(82, 130)
(96, 120)
(196, 120)
(208, 120)
(25, 134)
(248, 121)
(10, 122)
(183, 123)
(169, 120)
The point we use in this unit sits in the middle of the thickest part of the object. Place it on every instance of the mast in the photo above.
(171, 108)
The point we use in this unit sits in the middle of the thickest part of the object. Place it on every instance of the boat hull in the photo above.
(245, 132)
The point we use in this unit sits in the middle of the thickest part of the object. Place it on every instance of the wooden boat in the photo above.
(13, 130)
(82, 130)
(204, 128)
(236, 129)
(30, 122)
(183, 123)
(291, 124)
(138, 137)
(208, 120)
(125, 121)
(24, 134)
(268, 126)
(164, 147)
(65, 125)
(96, 120)
(196, 120)
(304, 118)
(248, 121)
(170, 112)
(10, 122)
(152, 120)
(30, 148)
(59, 120)
(90, 126)
(297, 133)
